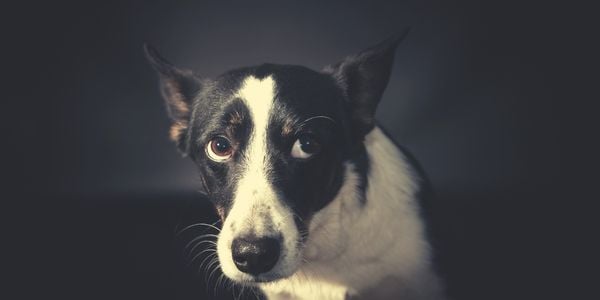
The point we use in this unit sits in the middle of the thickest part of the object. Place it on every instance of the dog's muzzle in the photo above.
(254, 256)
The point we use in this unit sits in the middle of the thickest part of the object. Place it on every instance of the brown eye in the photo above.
(219, 149)
(305, 147)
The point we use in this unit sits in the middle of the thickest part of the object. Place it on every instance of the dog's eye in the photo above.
(219, 149)
(305, 147)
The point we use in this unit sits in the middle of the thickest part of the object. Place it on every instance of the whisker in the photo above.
(206, 278)
(253, 290)
(317, 117)
(211, 245)
(236, 297)
(217, 267)
(219, 282)
(203, 251)
(214, 263)
(206, 242)
(208, 259)
(198, 238)
(224, 281)
(242, 291)
(199, 224)
(212, 268)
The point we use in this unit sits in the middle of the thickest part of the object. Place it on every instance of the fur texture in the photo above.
(378, 251)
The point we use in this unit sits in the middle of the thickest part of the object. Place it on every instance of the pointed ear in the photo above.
(178, 88)
(363, 77)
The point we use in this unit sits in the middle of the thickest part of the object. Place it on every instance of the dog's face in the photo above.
(271, 143)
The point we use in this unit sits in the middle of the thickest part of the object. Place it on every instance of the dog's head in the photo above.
(271, 143)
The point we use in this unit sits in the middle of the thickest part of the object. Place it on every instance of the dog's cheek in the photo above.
(214, 178)
(302, 225)
(222, 204)
(220, 212)
(325, 183)
(306, 190)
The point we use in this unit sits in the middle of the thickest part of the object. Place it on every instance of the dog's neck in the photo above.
(360, 244)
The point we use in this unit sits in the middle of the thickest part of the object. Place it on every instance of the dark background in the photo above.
(95, 191)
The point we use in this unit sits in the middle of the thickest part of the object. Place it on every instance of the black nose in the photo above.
(255, 255)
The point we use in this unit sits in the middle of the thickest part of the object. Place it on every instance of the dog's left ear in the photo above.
(178, 88)
(364, 77)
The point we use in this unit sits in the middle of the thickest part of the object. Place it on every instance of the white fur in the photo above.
(375, 251)
(256, 207)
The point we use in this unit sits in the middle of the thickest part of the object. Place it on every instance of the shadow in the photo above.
(143, 247)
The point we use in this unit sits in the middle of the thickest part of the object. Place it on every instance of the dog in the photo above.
(316, 201)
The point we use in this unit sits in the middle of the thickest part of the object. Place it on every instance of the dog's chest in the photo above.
(304, 287)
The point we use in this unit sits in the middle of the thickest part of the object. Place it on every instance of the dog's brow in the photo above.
(319, 117)
(235, 118)
(301, 125)
(288, 127)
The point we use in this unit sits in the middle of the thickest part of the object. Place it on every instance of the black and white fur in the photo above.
(346, 218)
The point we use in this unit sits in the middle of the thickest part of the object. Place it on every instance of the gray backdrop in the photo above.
(473, 95)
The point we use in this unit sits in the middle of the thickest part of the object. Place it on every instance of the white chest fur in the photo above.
(375, 251)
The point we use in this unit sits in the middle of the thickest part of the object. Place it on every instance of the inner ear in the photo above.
(178, 87)
(363, 78)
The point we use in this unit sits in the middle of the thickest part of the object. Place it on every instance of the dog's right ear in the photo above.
(363, 77)
(178, 87)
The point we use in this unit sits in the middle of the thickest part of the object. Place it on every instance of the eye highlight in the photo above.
(305, 147)
(219, 149)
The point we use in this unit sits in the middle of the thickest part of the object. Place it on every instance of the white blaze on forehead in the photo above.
(258, 95)
(256, 208)
(254, 192)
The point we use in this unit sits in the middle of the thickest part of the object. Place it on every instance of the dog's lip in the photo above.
(263, 278)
